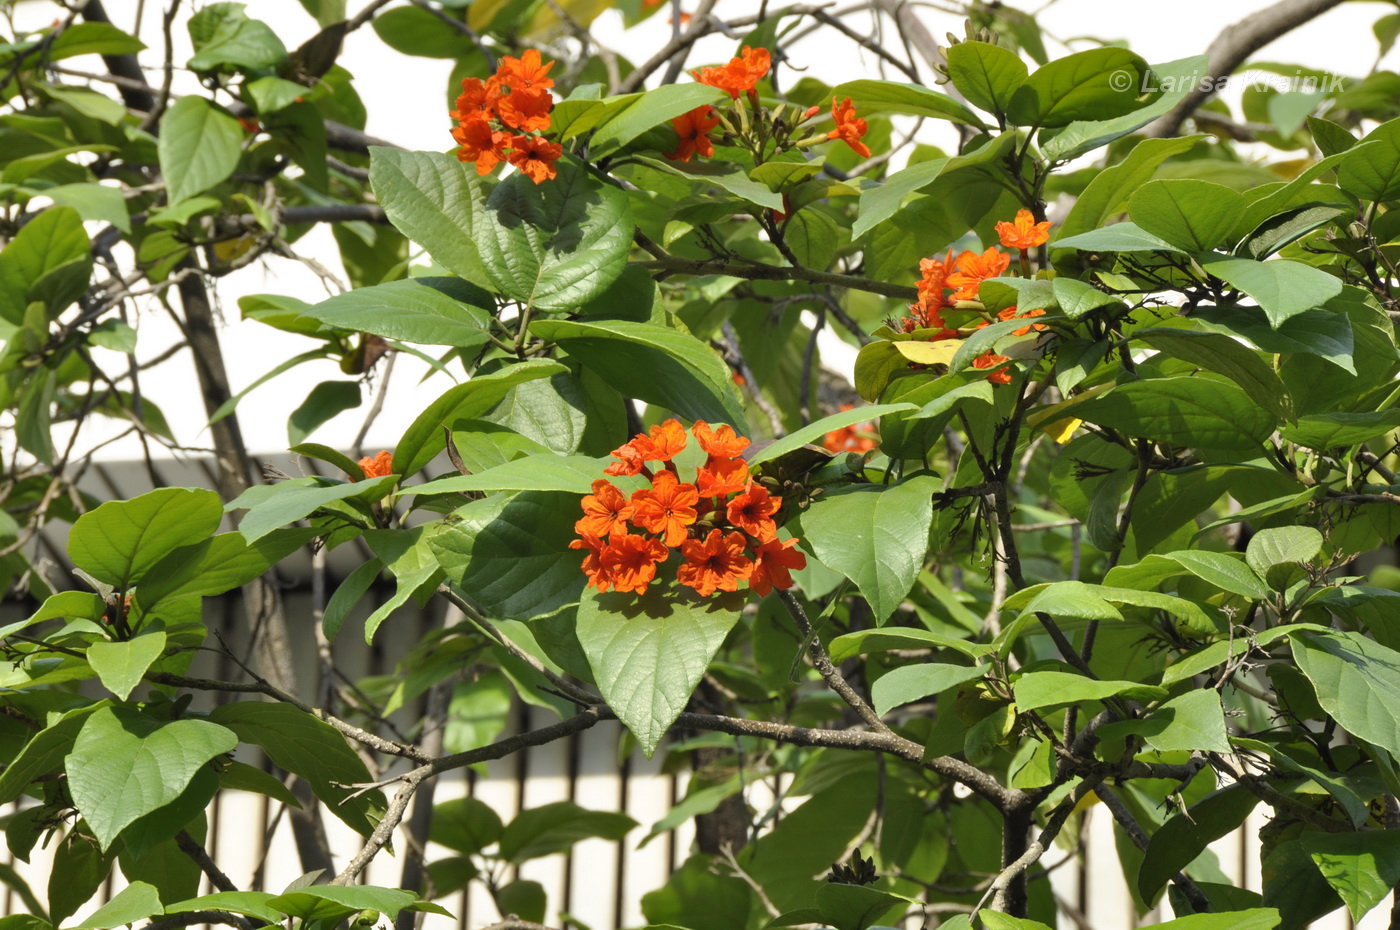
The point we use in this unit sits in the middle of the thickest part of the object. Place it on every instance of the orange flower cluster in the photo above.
(947, 280)
(739, 75)
(498, 119)
(858, 437)
(693, 129)
(382, 464)
(1023, 232)
(849, 128)
(721, 523)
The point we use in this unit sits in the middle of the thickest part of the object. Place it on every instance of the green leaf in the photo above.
(1120, 237)
(1055, 689)
(324, 402)
(93, 202)
(1218, 352)
(413, 30)
(1099, 84)
(1357, 682)
(554, 828)
(125, 765)
(1176, 79)
(910, 683)
(856, 907)
(1289, 227)
(135, 902)
(407, 555)
(275, 506)
(1322, 333)
(223, 35)
(240, 776)
(731, 178)
(571, 474)
(331, 903)
(648, 652)
(425, 438)
(1110, 189)
(53, 240)
(348, 595)
(121, 665)
(818, 429)
(906, 99)
(429, 311)
(1183, 411)
(656, 106)
(216, 565)
(199, 146)
(301, 743)
(557, 245)
(44, 753)
(1281, 288)
(1193, 722)
(1283, 545)
(1077, 298)
(249, 903)
(1372, 172)
(657, 364)
(1325, 431)
(876, 536)
(94, 38)
(1182, 838)
(1362, 867)
(510, 553)
(1194, 215)
(465, 825)
(1258, 918)
(879, 202)
(1224, 571)
(849, 645)
(119, 541)
(435, 200)
(987, 75)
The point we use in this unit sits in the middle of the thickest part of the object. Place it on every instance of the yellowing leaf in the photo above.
(929, 353)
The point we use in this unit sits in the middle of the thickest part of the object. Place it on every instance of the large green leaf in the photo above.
(122, 664)
(1357, 681)
(1363, 867)
(987, 75)
(125, 765)
(1325, 431)
(1281, 288)
(300, 742)
(428, 311)
(870, 96)
(222, 34)
(877, 536)
(816, 430)
(322, 404)
(199, 146)
(1256, 918)
(1373, 171)
(555, 828)
(1175, 80)
(54, 241)
(1034, 690)
(119, 541)
(1218, 352)
(1322, 333)
(1182, 838)
(435, 200)
(648, 652)
(1194, 215)
(910, 683)
(1120, 237)
(657, 364)
(880, 201)
(511, 555)
(425, 438)
(1108, 193)
(44, 753)
(650, 109)
(1282, 545)
(1190, 723)
(1183, 411)
(556, 245)
(216, 565)
(1099, 84)
(273, 506)
(572, 474)
(136, 901)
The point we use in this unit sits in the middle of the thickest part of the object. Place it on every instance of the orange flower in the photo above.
(692, 129)
(382, 464)
(926, 314)
(971, 269)
(630, 561)
(1010, 314)
(525, 72)
(527, 110)
(665, 442)
(1024, 232)
(479, 143)
(721, 443)
(534, 157)
(630, 460)
(667, 508)
(722, 477)
(592, 562)
(753, 511)
(991, 360)
(849, 127)
(772, 562)
(605, 511)
(854, 438)
(739, 75)
(717, 564)
(477, 101)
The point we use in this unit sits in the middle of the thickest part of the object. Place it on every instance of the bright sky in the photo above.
(406, 101)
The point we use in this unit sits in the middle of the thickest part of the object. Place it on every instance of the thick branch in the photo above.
(1199, 903)
(1232, 47)
(822, 662)
(760, 272)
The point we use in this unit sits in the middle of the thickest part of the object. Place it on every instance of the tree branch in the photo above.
(822, 662)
